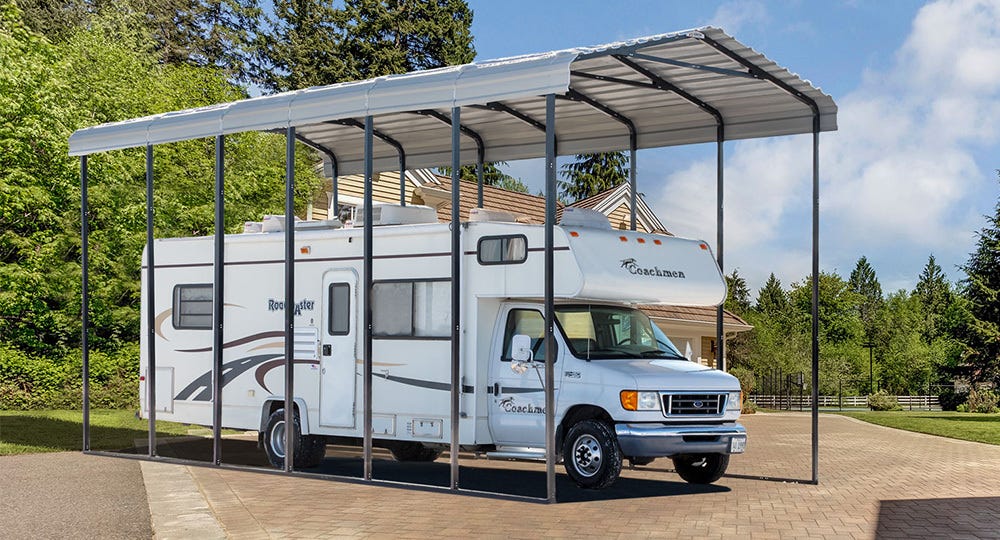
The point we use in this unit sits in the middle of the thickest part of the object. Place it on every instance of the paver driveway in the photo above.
(874, 482)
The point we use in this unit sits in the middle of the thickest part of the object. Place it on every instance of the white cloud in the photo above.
(733, 16)
(900, 176)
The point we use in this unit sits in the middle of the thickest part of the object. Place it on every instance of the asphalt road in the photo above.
(70, 495)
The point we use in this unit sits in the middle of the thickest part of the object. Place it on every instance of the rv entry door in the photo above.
(337, 351)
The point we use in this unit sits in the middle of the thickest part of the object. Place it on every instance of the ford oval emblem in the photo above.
(698, 404)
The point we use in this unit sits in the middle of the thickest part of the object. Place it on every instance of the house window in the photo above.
(508, 249)
(192, 307)
(411, 309)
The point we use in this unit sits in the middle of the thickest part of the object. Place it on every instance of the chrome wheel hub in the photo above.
(587, 455)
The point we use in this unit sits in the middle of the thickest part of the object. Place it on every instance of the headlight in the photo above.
(735, 401)
(633, 400)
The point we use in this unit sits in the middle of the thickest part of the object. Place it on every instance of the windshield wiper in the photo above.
(662, 354)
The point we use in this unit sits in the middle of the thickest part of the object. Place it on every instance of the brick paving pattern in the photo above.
(875, 482)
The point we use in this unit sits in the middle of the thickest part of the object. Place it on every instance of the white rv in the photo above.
(622, 390)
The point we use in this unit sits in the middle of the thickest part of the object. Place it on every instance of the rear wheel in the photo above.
(412, 451)
(309, 449)
(701, 468)
(591, 454)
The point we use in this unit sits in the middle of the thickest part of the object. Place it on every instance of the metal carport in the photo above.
(693, 86)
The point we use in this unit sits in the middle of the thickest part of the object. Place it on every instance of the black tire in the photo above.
(701, 468)
(412, 451)
(309, 449)
(591, 454)
(640, 461)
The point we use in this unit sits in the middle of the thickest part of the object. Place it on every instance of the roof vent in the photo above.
(391, 214)
(584, 217)
(482, 214)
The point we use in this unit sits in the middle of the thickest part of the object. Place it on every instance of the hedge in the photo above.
(35, 382)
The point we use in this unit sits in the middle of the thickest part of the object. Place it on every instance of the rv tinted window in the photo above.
(340, 309)
(411, 309)
(512, 249)
(192, 309)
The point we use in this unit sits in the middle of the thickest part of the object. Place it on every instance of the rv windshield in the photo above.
(613, 332)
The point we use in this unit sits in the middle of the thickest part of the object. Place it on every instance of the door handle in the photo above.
(327, 350)
(496, 389)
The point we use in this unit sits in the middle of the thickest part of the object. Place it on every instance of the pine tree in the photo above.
(981, 289)
(738, 299)
(314, 42)
(864, 283)
(772, 299)
(591, 174)
(935, 295)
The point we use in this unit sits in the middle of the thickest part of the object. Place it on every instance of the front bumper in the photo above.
(664, 440)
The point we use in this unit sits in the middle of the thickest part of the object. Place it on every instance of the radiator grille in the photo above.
(693, 404)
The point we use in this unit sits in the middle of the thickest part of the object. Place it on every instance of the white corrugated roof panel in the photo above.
(704, 63)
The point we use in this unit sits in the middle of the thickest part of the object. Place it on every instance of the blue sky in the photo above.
(910, 172)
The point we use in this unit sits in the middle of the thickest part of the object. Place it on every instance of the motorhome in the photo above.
(622, 390)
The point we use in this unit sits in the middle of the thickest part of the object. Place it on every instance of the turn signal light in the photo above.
(630, 400)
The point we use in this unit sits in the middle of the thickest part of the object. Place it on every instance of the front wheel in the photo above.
(701, 468)
(309, 449)
(591, 454)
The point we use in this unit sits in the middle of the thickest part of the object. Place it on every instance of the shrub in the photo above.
(882, 401)
(749, 407)
(962, 408)
(950, 399)
(37, 382)
(982, 401)
(746, 378)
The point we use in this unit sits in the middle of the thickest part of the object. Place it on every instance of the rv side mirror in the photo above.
(520, 348)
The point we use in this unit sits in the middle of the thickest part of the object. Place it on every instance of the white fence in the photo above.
(795, 402)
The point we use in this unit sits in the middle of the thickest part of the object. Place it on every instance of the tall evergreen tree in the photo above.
(864, 283)
(935, 296)
(772, 299)
(591, 174)
(314, 42)
(738, 299)
(981, 288)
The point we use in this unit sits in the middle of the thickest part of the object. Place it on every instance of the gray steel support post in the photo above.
(151, 306)
(336, 202)
(402, 178)
(633, 197)
(85, 301)
(480, 158)
(550, 316)
(456, 288)
(218, 298)
(815, 301)
(289, 299)
(720, 336)
(367, 366)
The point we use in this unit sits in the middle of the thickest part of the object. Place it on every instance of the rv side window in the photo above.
(192, 309)
(530, 323)
(510, 249)
(412, 309)
(340, 309)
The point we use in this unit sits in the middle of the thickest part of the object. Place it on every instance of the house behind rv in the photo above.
(692, 329)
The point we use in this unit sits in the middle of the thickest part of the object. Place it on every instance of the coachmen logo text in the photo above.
(299, 307)
(633, 267)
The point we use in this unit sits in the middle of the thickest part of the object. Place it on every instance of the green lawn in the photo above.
(966, 426)
(24, 432)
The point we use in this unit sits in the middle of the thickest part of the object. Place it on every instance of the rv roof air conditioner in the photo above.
(317, 224)
(272, 223)
(583, 217)
(391, 214)
(482, 214)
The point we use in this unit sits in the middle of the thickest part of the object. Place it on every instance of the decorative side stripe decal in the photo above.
(230, 371)
(433, 385)
(240, 341)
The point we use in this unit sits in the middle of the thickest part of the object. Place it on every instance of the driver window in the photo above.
(530, 323)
